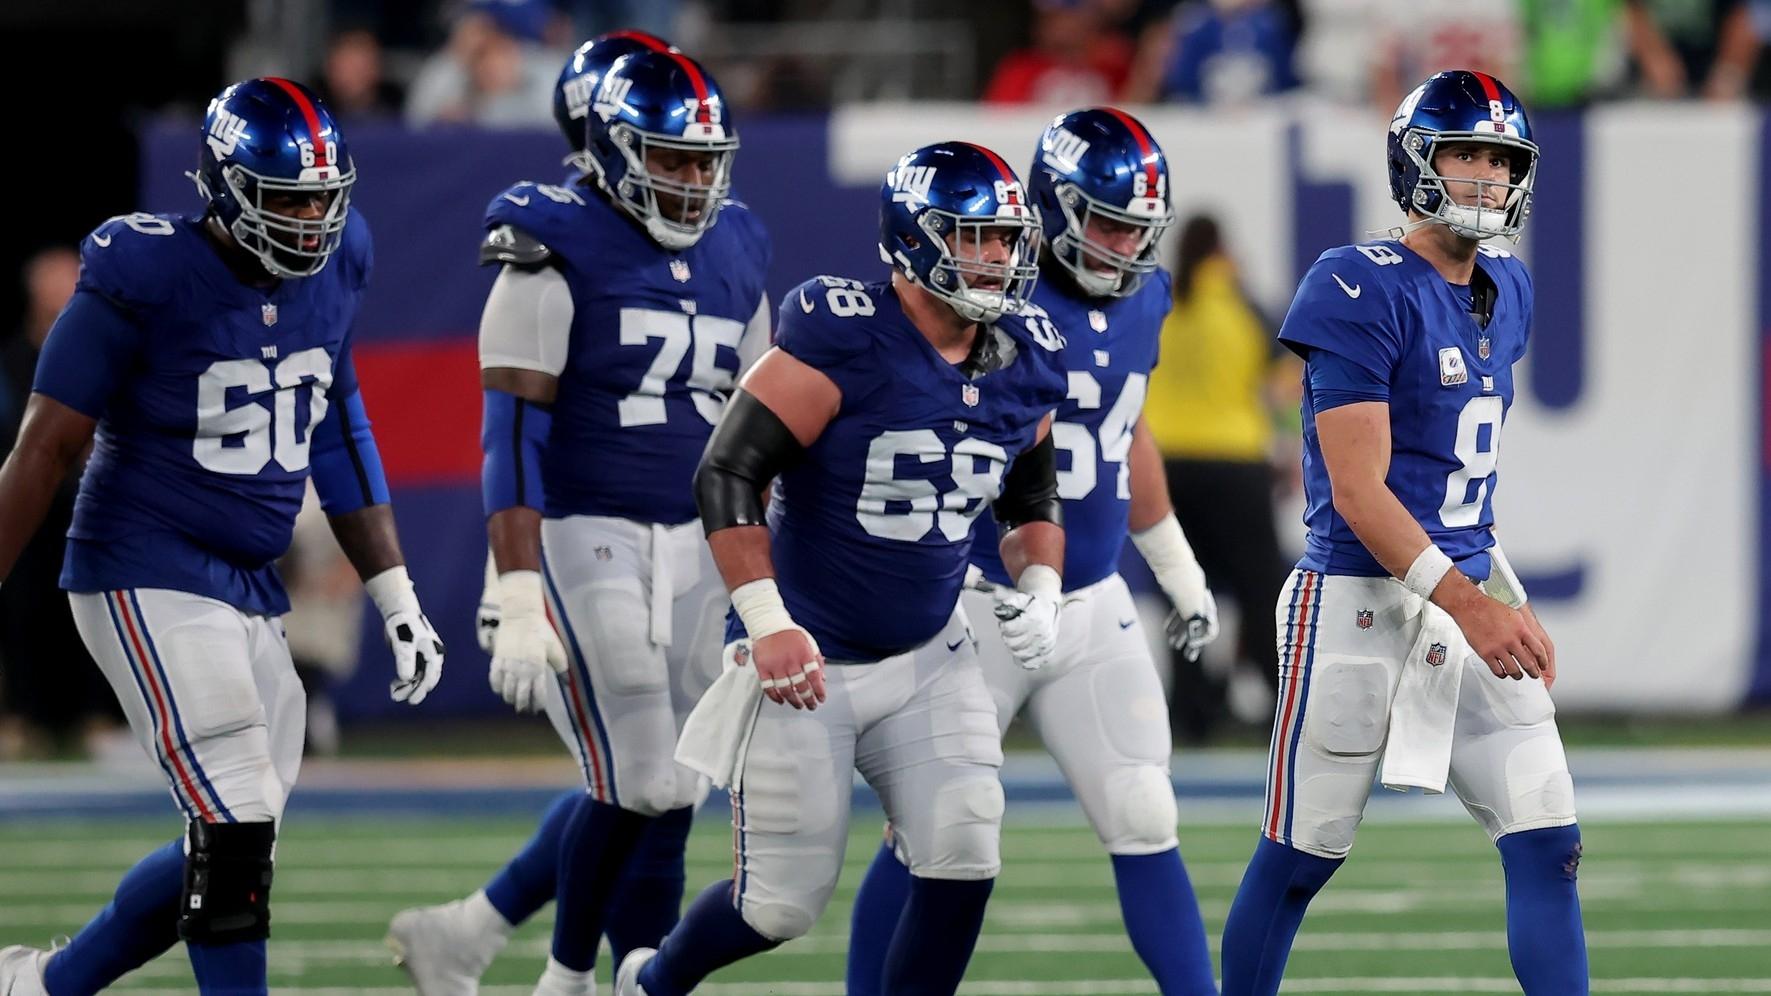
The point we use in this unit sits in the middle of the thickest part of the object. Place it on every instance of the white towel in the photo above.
(1424, 711)
(718, 728)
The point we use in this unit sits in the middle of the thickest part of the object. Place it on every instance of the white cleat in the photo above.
(627, 977)
(440, 948)
(21, 971)
(558, 980)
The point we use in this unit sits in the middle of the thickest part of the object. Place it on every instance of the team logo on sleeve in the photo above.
(968, 393)
(1451, 367)
(1436, 654)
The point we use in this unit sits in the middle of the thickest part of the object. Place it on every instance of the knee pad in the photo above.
(1349, 706)
(1141, 812)
(967, 838)
(227, 883)
(778, 921)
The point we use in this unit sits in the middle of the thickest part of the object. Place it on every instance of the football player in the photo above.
(206, 358)
(1409, 345)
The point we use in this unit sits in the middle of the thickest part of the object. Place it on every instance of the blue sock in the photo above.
(935, 936)
(1264, 918)
(595, 845)
(235, 969)
(878, 905)
(1162, 919)
(649, 898)
(139, 923)
(711, 936)
(1544, 934)
(527, 883)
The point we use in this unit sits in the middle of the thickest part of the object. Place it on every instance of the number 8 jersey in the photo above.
(1449, 383)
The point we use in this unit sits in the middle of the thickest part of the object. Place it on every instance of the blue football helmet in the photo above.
(662, 102)
(1455, 107)
(268, 139)
(1101, 167)
(938, 208)
(580, 76)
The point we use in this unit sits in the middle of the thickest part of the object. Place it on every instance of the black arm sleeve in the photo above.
(747, 449)
(1030, 489)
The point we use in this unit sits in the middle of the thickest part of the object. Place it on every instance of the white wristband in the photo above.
(391, 591)
(758, 604)
(1042, 580)
(1165, 548)
(519, 595)
(1427, 571)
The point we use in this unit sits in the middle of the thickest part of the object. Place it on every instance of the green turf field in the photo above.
(1670, 907)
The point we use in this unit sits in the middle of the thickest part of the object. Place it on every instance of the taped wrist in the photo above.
(227, 883)
(513, 433)
(1165, 548)
(1428, 569)
(747, 449)
(1030, 489)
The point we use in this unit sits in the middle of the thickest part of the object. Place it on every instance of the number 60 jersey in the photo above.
(872, 527)
(1449, 384)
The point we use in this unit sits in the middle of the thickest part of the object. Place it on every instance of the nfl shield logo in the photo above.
(679, 268)
(1363, 619)
(741, 654)
(269, 313)
(1482, 349)
(968, 393)
(1436, 654)
(604, 553)
(1097, 320)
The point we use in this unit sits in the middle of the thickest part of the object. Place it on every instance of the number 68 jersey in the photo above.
(870, 530)
(1450, 384)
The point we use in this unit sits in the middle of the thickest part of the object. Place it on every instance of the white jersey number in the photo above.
(976, 467)
(243, 439)
(708, 382)
(1079, 481)
(1461, 508)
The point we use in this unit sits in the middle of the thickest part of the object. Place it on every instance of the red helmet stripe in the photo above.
(702, 115)
(1489, 87)
(1146, 147)
(647, 39)
(308, 113)
(1008, 175)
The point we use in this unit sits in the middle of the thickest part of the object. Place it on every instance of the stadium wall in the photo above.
(1635, 469)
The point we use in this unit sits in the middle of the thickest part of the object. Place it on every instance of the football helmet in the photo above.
(1454, 107)
(579, 78)
(273, 138)
(1100, 165)
(960, 192)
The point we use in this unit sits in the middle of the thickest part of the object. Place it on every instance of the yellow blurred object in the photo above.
(1208, 396)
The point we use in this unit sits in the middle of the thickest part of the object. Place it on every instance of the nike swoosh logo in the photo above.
(804, 304)
(523, 201)
(1127, 624)
(1352, 292)
(955, 645)
(101, 240)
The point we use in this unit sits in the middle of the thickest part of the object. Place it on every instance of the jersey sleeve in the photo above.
(90, 350)
(126, 262)
(811, 330)
(527, 321)
(1160, 306)
(1343, 307)
(358, 250)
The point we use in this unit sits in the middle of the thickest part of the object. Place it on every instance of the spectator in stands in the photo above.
(1684, 48)
(1573, 50)
(1224, 52)
(1414, 40)
(494, 71)
(351, 80)
(1212, 405)
(1075, 60)
(56, 697)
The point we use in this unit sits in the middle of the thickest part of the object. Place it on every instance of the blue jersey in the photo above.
(872, 527)
(653, 351)
(1449, 384)
(208, 393)
(1110, 347)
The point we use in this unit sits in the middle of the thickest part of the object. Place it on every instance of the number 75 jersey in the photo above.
(1449, 380)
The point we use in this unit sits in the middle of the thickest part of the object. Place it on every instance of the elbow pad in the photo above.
(1030, 490)
(747, 449)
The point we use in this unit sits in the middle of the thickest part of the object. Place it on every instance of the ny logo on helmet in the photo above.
(611, 97)
(577, 94)
(910, 184)
(225, 132)
(1064, 150)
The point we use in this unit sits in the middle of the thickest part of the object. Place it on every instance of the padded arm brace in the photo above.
(747, 449)
(1030, 490)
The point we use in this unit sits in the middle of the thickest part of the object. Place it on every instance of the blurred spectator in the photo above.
(1686, 48)
(57, 697)
(1414, 40)
(1211, 407)
(325, 621)
(659, 17)
(1217, 52)
(1074, 59)
(351, 80)
(1572, 50)
(493, 71)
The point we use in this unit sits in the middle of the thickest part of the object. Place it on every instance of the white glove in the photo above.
(1028, 616)
(1194, 621)
(485, 618)
(418, 651)
(526, 652)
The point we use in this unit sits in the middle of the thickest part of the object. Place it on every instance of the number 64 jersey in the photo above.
(872, 526)
(1450, 384)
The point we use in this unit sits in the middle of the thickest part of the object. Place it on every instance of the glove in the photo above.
(418, 651)
(485, 618)
(526, 652)
(1194, 621)
(1028, 616)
